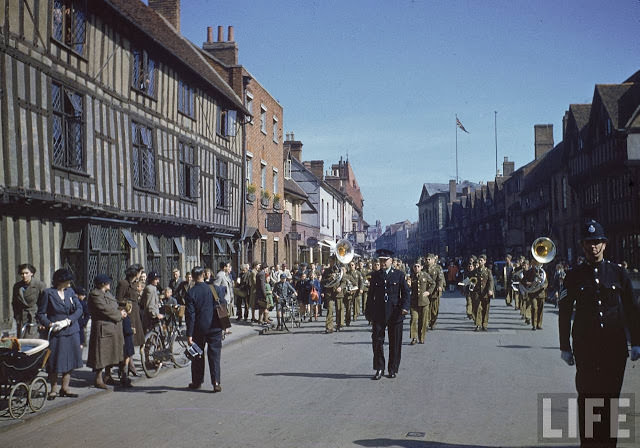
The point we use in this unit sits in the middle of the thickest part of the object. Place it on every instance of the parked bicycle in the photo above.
(165, 342)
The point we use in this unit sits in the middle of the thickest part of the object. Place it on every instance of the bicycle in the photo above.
(165, 342)
(291, 314)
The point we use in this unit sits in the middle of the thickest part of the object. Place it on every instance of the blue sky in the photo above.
(382, 81)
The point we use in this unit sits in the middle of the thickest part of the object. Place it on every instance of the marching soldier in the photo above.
(536, 293)
(468, 274)
(434, 300)
(516, 277)
(365, 272)
(508, 272)
(525, 304)
(387, 305)
(484, 289)
(604, 307)
(356, 295)
(422, 286)
(334, 296)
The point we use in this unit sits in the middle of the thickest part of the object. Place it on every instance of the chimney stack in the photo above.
(226, 52)
(452, 190)
(209, 35)
(294, 147)
(316, 167)
(169, 9)
(508, 167)
(543, 134)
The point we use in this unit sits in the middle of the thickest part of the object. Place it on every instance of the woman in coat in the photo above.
(59, 311)
(150, 302)
(107, 341)
(128, 294)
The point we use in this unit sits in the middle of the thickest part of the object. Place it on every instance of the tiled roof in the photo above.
(293, 187)
(159, 30)
(610, 94)
(580, 114)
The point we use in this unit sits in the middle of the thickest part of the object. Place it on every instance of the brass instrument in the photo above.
(343, 251)
(471, 282)
(543, 250)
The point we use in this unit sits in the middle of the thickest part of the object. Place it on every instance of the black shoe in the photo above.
(378, 375)
(64, 393)
(392, 374)
(217, 388)
(194, 385)
(533, 329)
(477, 328)
(413, 342)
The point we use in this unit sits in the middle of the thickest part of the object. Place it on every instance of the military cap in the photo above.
(430, 255)
(384, 253)
(593, 230)
(483, 256)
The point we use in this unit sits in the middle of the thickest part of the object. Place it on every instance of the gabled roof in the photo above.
(160, 31)
(291, 186)
(581, 114)
(609, 95)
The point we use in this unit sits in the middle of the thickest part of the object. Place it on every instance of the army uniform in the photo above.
(535, 298)
(516, 276)
(435, 271)
(422, 287)
(508, 272)
(468, 274)
(366, 279)
(349, 295)
(483, 298)
(334, 299)
(358, 280)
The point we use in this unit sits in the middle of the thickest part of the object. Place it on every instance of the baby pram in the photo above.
(20, 385)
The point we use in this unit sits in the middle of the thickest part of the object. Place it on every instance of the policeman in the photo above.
(422, 287)
(602, 294)
(484, 289)
(387, 305)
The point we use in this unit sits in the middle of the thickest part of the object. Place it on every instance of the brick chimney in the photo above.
(169, 9)
(452, 190)
(543, 139)
(508, 167)
(293, 146)
(316, 167)
(227, 52)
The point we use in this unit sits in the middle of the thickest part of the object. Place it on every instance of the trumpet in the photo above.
(471, 282)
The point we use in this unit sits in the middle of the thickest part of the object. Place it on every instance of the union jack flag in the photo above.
(460, 125)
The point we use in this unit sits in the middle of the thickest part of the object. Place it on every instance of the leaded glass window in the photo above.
(144, 72)
(67, 127)
(188, 172)
(222, 184)
(144, 157)
(70, 23)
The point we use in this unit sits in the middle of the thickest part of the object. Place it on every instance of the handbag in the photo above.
(221, 310)
(314, 294)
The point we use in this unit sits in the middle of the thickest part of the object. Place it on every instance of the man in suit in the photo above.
(604, 311)
(203, 328)
(387, 305)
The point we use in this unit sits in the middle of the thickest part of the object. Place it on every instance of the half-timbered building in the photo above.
(120, 143)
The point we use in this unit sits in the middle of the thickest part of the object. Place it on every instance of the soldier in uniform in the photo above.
(435, 271)
(422, 286)
(333, 296)
(387, 305)
(525, 304)
(349, 294)
(604, 307)
(484, 289)
(358, 280)
(536, 294)
(468, 274)
(516, 276)
(365, 271)
(508, 271)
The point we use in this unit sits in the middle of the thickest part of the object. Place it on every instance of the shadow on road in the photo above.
(528, 346)
(331, 376)
(413, 443)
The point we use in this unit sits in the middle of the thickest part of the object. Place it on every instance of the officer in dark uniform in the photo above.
(602, 294)
(387, 305)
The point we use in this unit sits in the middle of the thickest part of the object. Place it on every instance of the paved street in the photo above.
(308, 389)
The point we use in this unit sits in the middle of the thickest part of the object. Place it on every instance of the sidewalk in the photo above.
(82, 379)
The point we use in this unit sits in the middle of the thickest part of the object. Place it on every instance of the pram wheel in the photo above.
(37, 393)
(18, 400)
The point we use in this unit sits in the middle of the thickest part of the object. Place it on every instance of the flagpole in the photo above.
(495, 128)
(457, 149)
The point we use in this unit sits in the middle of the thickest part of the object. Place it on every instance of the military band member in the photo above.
(516, 277)
(484, 289)
(387, 305)
(525, 304)
(422, 286)
(352, 307)
(365, 271)
(604, 307)
(468, 274)
(508, 272)
(536, 294)
(333, 295)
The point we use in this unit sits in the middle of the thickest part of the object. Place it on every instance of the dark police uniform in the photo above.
(604, 307)
(388, 296)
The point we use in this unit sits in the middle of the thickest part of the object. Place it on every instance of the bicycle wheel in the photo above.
(178, 345)
(37, 393)
(297, 317)
(151, 363)
(18, 400)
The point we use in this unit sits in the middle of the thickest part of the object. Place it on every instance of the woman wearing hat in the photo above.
(107, 341)
(59, 311)
(150, 302)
